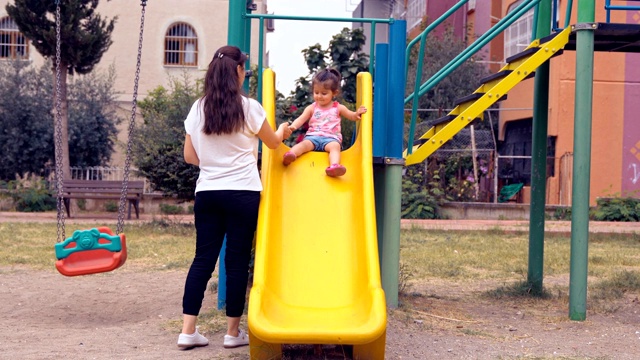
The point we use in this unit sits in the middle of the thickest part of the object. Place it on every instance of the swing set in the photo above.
(99, 249)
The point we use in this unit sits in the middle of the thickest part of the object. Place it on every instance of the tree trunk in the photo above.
(64, 116)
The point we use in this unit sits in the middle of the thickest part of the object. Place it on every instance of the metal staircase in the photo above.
(494, 88)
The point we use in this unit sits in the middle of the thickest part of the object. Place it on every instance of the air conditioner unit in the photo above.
(471, 5)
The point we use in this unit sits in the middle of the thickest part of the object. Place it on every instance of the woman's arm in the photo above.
(273, 138)
(351, 115)
(190, 155)
(303, 118)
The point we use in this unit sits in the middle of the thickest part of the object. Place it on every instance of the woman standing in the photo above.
(223, 128)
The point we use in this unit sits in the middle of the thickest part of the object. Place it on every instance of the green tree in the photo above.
(159, 141)
(26, 139)
(84, 35)
(461, 82)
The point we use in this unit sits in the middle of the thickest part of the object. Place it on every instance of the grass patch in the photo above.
(494, 254)
(152, 246)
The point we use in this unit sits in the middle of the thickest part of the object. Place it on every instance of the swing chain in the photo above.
(59, 173)
(132, 122)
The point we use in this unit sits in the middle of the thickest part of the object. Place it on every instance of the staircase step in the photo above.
(498, 75)
(501, 74)
(472, 97)
(443, 120)
(548, 38)
(475, 96)
(522, 54)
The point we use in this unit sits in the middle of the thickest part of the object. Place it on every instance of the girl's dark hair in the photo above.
(223, 113)
(328, 78)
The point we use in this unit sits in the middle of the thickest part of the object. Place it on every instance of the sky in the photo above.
(291, 37)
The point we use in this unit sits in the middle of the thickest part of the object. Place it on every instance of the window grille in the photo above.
(13, 45)
(518, 36)
(416, 10)
(181, 45)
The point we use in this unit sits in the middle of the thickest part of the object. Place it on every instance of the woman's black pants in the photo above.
(233, 213)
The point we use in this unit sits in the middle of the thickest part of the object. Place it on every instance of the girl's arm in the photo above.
(351, 115)
(190, 155)
(303, 118)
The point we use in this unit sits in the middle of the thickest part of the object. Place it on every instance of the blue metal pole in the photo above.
(381, 81)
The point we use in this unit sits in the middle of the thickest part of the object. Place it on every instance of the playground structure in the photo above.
(585, 37)
(364, 250)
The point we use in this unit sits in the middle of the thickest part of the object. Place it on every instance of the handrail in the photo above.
(567, 16)
(610, 7)
(485, 38)
(423, 39)
(555, 13)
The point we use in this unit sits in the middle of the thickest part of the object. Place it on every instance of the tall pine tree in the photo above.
(85, 36)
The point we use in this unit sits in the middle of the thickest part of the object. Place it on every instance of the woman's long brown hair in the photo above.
(223, 113)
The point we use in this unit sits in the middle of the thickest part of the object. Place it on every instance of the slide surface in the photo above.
(317, 276)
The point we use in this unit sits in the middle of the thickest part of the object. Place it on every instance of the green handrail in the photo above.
(477, 45)
(423, 39)
(567, 16)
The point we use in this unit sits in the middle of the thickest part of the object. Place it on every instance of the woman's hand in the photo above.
(284, 130)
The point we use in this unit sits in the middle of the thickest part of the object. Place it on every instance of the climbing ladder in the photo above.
(494, 88)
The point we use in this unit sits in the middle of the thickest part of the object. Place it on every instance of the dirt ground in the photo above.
(124, 315)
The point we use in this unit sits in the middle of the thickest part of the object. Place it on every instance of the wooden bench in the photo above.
(102, 189)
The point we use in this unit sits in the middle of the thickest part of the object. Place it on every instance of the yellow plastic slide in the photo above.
(317, 276)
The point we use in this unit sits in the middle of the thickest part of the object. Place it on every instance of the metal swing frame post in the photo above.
(582, 160)
(539, 155)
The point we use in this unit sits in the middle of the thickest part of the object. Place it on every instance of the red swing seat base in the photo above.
(95, 260)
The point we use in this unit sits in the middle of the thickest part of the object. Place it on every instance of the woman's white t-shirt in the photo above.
(228, 161)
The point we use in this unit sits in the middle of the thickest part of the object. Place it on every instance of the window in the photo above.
(518, 36)
(13, 45)
(416, 10)
(181, 45)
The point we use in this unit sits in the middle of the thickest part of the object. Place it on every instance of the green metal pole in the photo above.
(236, 27)
(246, 47)
(539, 156)
(581, 160)
(390, 255)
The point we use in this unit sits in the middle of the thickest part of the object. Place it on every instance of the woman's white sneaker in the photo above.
(234, 341)
(186, 341)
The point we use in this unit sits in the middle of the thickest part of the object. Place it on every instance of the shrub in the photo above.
(169, 209)
(31, 194)
(111, 206)
(617, 209)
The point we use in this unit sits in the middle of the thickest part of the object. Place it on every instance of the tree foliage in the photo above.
(159, 141)
(26, 121)
(84, 37)
(461, 82)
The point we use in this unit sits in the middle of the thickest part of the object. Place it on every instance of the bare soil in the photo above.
(125, 315)
(131, 314)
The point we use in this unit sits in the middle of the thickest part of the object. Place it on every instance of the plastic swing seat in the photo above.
(91, 251)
